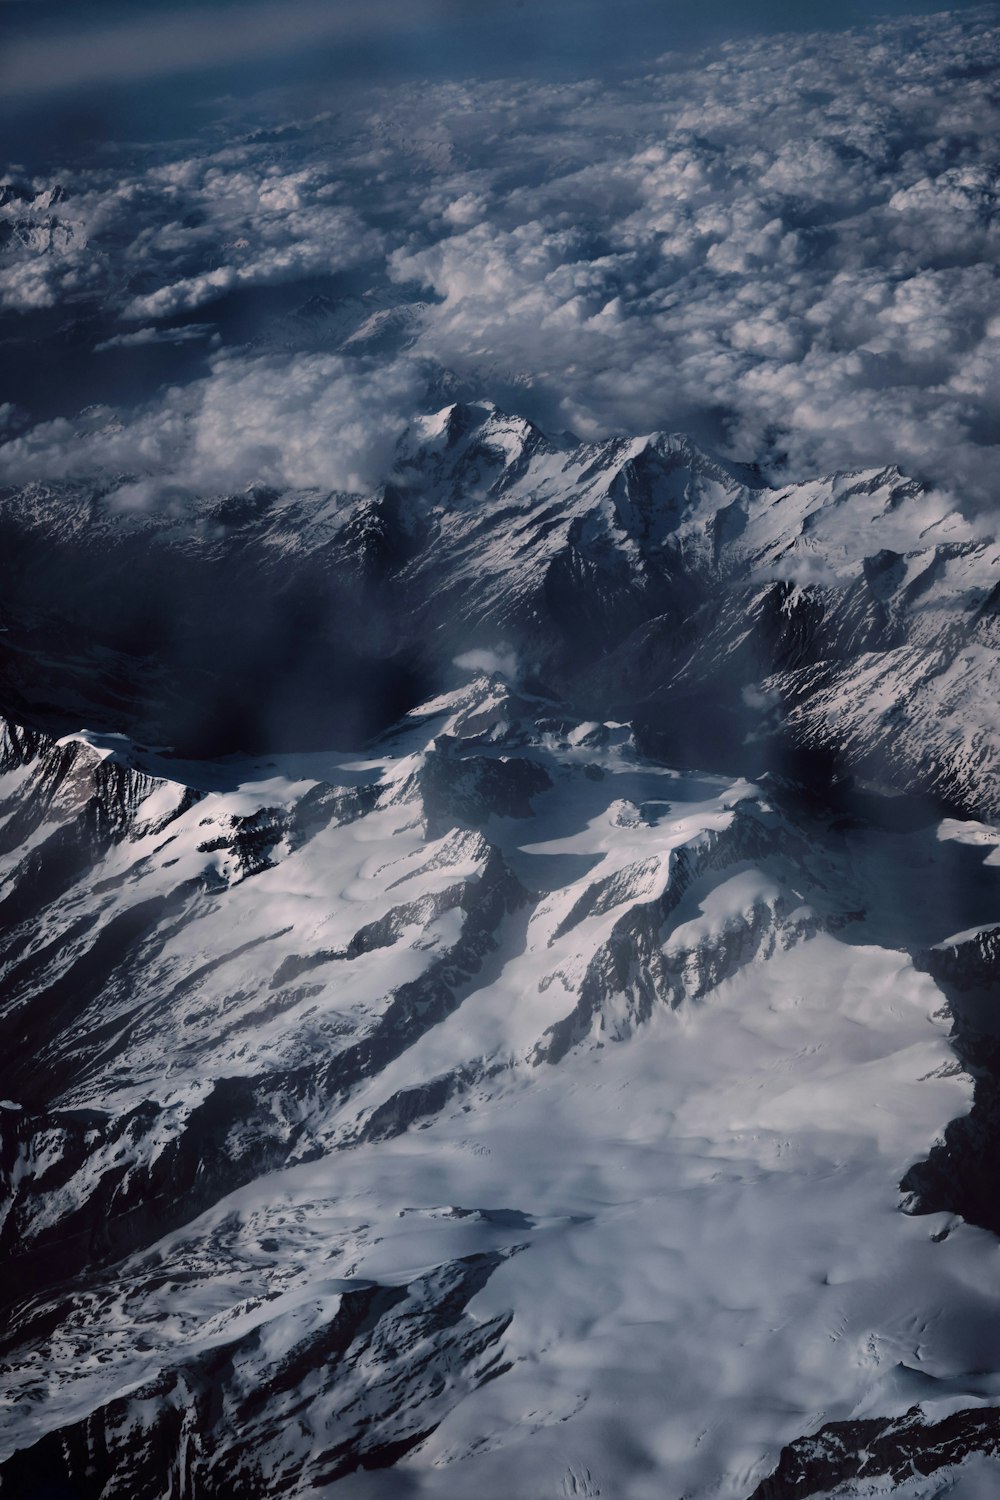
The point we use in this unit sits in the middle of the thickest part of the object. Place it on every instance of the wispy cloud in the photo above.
(156, 46)
(186, 333)
(317, 421)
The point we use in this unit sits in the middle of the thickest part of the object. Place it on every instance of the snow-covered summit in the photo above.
(851, 617)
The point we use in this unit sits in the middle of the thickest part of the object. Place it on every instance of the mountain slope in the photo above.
(499, 1106)
(513, 1082)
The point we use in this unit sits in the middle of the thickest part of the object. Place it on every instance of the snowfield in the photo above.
(553, 1150)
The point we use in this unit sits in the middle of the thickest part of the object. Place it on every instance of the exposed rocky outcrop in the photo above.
(275, 1413)
(875, 1455)
(960, 1174)
(641, 964)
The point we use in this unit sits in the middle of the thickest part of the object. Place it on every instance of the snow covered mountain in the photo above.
(510, 1088)
(851, 619)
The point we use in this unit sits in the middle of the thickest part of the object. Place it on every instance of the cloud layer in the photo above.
(789, 248)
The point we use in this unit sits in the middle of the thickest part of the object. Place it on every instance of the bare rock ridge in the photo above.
(880, 1455)
(379, 1344)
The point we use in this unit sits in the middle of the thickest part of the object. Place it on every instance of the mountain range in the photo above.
(498, 980)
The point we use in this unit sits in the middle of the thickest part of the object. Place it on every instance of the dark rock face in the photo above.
(972, 964)
(248, 1420)
(467, 790)
(634, 964)
(960, 1175)
(878, 1452)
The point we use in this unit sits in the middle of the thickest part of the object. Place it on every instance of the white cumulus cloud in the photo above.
(789, 248)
